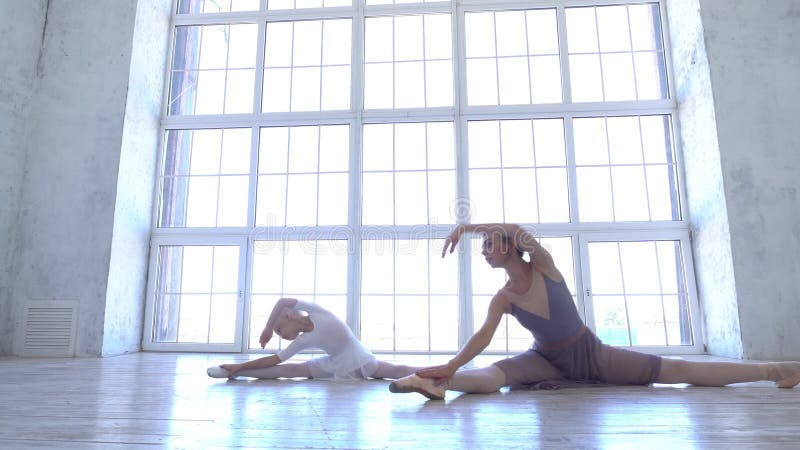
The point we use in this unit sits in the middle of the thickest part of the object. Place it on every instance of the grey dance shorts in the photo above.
(581, 358)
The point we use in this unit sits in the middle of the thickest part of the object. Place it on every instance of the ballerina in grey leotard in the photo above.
(565, 342)
(565, 349)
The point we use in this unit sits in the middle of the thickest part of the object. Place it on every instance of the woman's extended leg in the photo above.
(702, 373)
(299, 370)
(478, 381)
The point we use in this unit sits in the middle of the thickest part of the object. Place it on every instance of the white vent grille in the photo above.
(49, 328)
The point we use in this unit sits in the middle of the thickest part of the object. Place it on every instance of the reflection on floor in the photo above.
(166, 400)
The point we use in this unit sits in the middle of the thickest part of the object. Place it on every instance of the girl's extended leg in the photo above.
(701, 373)
(299, 370)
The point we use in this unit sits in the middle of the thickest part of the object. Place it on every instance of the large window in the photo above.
(322, 149)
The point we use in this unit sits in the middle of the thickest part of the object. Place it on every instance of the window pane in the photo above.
(232, 210)
(301, 200)
(212, 69)
(514, 81)
(193, 194)
(408, 44)
(300, 4)
(545, 79)
(519, 188)
(377, 199)
(499, 50)
(618, 79)
(510, 31)
(639, 158)
(553, 197)
(632, 284)
(403, 181)
(525, 189)
(585, 77)
(395, 284)
(307, 66)
(542, 31)
(405, 66)
(192, 282)
(409, 86)
(594, 194)
(216, 6)
(410, 198)
(316, 159)
(486, 195)
(627, 40)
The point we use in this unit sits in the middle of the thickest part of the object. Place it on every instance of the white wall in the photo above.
(85, 205)
(21, 26)
(736, 67)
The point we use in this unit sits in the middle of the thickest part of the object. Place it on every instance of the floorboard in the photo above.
(165, 400)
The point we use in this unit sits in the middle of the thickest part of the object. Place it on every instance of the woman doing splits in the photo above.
(564, 349)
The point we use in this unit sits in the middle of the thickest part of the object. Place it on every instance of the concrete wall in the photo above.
(21, 26)
(706, 202)
(736, 69)
(754, 56)
(90, 163)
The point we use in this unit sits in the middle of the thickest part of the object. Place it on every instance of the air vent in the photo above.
(49, 328)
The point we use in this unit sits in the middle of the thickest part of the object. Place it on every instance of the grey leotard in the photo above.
(565, 349)
(564, 321)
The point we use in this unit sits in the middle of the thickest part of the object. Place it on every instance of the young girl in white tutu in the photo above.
(310, 326)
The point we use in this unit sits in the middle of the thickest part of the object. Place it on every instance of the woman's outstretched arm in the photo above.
(475, 345)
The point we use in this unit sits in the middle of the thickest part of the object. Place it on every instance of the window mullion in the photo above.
(563, 50)
(354, 178)
(462, 207)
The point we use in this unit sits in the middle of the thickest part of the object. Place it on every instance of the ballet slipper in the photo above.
(415, 383)
(217, 372)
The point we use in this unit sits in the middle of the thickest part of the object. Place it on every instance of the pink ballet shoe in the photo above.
(415, 383)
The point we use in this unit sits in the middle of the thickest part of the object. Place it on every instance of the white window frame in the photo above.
(176, 240)
(460, 113)
(677, 235)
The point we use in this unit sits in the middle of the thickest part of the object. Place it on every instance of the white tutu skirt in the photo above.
(356, 363)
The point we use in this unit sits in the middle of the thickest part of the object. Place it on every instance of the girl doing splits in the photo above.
(347, 358)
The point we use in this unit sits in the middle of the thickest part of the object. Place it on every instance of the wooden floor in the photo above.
(162, 400)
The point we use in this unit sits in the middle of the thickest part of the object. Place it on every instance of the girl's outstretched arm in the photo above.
(260, 363)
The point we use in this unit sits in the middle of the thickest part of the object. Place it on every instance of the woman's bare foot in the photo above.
(415, 383)
(785, 374)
